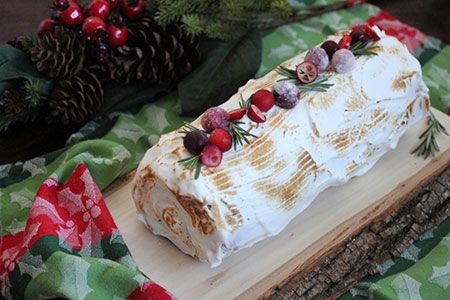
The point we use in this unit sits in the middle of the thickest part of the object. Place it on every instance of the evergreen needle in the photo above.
(429, 145)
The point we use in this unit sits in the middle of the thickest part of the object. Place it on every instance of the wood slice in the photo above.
(342, 236)
(386, 237)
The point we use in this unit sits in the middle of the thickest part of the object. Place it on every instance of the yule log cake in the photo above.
(338, 108)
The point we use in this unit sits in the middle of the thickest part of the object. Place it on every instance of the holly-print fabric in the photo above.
(111, 146)
(71, 248)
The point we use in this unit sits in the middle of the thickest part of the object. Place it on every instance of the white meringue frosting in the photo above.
(325, 140)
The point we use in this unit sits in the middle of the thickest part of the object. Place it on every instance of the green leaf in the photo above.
(15, 64)
(227, 66)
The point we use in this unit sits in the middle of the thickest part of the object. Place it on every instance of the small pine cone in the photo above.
(59, 54)
(154, 54)
(76, 99)
(11, 102)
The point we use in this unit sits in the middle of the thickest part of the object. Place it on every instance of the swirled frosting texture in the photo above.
(325, 140)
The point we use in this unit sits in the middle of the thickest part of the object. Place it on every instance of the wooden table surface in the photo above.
(21, 17)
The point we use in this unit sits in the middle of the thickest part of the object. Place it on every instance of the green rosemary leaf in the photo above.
(360, 48)
(239, 134)
(190, 162)
(319, 85)
(429, 146)
(245, 103)
(188, 127)
(198, 168)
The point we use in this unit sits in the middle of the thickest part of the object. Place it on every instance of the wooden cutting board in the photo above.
(334, 216)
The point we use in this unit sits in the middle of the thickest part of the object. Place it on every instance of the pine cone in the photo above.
(154, 54)
(59, 54)
(76, 99)
(11, 102)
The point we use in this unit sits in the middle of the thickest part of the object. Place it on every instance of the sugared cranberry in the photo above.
(343, 61)
(215, 117)
(319, 58)
(286, 94)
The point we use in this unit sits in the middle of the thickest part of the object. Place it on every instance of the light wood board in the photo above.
(334, 216)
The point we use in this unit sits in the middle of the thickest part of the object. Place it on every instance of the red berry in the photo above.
(371, 32)
(46, 25)
(117, 36)
(255, 114)
(195, 141)
(330, 47)
(237, 114)
(345, 42)
(133, 9)
(359, 35)
(69, 13)
(211, 156)
(98, 8)
(306, 72)
(113, 4)
(91, 25)
(221, 138)
(215, 117)
(263, 99)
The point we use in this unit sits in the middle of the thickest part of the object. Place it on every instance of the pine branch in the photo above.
(34, 93)
(429, 145)
(226, 18)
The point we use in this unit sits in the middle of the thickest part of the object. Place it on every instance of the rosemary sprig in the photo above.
(239, 134)
(188, 127)
(429, 146)
(245, 103)
(192, 162)
(359, 48)
(288, 73)
(319, 85)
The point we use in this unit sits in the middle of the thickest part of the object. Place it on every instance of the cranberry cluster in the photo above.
(340, 54)
(219, 127)
(101, 21)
